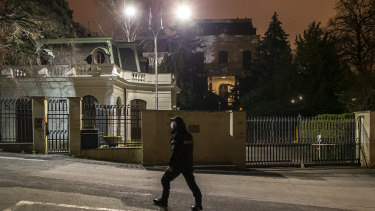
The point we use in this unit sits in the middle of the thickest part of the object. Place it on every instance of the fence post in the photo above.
(75, 124)
(39, 127)
(239, 138)
(366, 137)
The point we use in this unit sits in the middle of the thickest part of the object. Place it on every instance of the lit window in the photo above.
(223, 90)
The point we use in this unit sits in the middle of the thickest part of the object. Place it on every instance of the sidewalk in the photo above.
(210, 169)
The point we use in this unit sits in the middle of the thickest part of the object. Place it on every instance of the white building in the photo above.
(97, 69)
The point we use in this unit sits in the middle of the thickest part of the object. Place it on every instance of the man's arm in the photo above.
(177, 148)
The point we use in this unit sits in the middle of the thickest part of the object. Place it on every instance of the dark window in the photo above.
(88, 59)
(89, 104)
(99, 57)
(246, 60)
(89, 100)
(128, 59)
(136, 106)
(115, 56)
(223, 57)
(45, 57)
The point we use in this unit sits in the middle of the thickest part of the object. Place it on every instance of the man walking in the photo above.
(180, 161)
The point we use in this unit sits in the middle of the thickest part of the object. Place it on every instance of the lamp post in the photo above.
(156, 33)
(183, 12)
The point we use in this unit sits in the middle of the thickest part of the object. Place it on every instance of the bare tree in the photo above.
(354, 28)
(151, 15)
(129, 25)
(24, 22)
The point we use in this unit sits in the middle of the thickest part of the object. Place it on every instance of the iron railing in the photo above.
(301, 141)
(82, 71)
(118, 125)
(16, 121)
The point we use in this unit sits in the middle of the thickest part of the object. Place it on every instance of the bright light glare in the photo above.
(183, 12)
(130, 11)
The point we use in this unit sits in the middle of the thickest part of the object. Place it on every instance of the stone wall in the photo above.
(117, 155)
(219, 137)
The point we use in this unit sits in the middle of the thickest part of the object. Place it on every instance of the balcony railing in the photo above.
(84, 71)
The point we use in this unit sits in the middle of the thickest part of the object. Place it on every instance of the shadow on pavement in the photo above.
(248, 172)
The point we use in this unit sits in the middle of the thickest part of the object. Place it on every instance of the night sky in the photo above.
(295, 15)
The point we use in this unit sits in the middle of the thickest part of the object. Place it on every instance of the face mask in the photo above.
(173, 125)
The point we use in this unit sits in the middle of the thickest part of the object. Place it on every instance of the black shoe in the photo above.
(161, 202)
(197, 207)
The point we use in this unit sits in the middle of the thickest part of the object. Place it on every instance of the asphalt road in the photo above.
(59, 182)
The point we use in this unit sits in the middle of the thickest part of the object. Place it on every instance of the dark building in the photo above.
(228, 46)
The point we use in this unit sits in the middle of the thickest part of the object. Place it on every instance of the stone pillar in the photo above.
(39, 119)
(75, 124)
(366, 136)
(239, 137)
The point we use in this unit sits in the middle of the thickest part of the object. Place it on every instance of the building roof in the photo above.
(226, 26)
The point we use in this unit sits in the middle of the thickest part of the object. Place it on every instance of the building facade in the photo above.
(229, 47)
(98, 69)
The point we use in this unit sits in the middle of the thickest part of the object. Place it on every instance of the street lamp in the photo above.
(183, 12)
(156, 33)
(130, 11)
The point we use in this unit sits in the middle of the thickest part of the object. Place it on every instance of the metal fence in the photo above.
(58, 125)
(117, 125)
(16, 121)
(275, 141)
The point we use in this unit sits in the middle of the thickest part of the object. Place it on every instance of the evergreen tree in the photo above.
(270, 86)
(187, 68)
(321, 73)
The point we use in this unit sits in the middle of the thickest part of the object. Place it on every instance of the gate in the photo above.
(58, 125)
(292, 141)
(115, 125)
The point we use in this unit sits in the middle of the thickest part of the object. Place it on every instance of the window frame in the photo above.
(223, 58)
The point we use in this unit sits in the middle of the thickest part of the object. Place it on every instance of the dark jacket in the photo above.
(181, 150)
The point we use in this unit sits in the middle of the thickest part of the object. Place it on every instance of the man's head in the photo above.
(178, 124)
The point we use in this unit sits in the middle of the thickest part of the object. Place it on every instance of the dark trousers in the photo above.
(190, 180)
